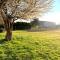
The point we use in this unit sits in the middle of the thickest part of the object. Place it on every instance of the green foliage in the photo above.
(31, 46)
(21, 26)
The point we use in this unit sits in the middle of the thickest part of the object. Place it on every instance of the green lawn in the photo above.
(25, 45)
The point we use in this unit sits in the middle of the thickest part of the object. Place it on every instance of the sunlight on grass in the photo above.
(31, 46)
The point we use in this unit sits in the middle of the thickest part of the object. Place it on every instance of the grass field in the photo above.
(25, 45)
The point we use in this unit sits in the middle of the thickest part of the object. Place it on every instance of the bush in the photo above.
(21, 26)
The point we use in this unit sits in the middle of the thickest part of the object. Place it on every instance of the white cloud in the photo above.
(53, 17)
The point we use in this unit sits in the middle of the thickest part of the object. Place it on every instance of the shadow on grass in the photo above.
(2, 41)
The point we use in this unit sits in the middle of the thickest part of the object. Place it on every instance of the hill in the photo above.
(47, 24)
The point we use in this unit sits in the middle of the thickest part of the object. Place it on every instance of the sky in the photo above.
(54, 14)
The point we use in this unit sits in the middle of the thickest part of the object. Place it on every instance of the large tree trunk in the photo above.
(8, 34)
(8, 27)
(8, 24)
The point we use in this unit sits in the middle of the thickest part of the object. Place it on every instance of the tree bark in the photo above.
(8, 23)
(8, 34)
(8, 27)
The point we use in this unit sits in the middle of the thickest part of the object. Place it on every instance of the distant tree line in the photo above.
(18, 26)
(33, 25)
(21, 26)
(25, 25)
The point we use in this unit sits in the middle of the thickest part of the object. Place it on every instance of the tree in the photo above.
(21, 26)
(13, 9)
(35, 22)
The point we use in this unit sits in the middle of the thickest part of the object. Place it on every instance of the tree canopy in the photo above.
(25, 8)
